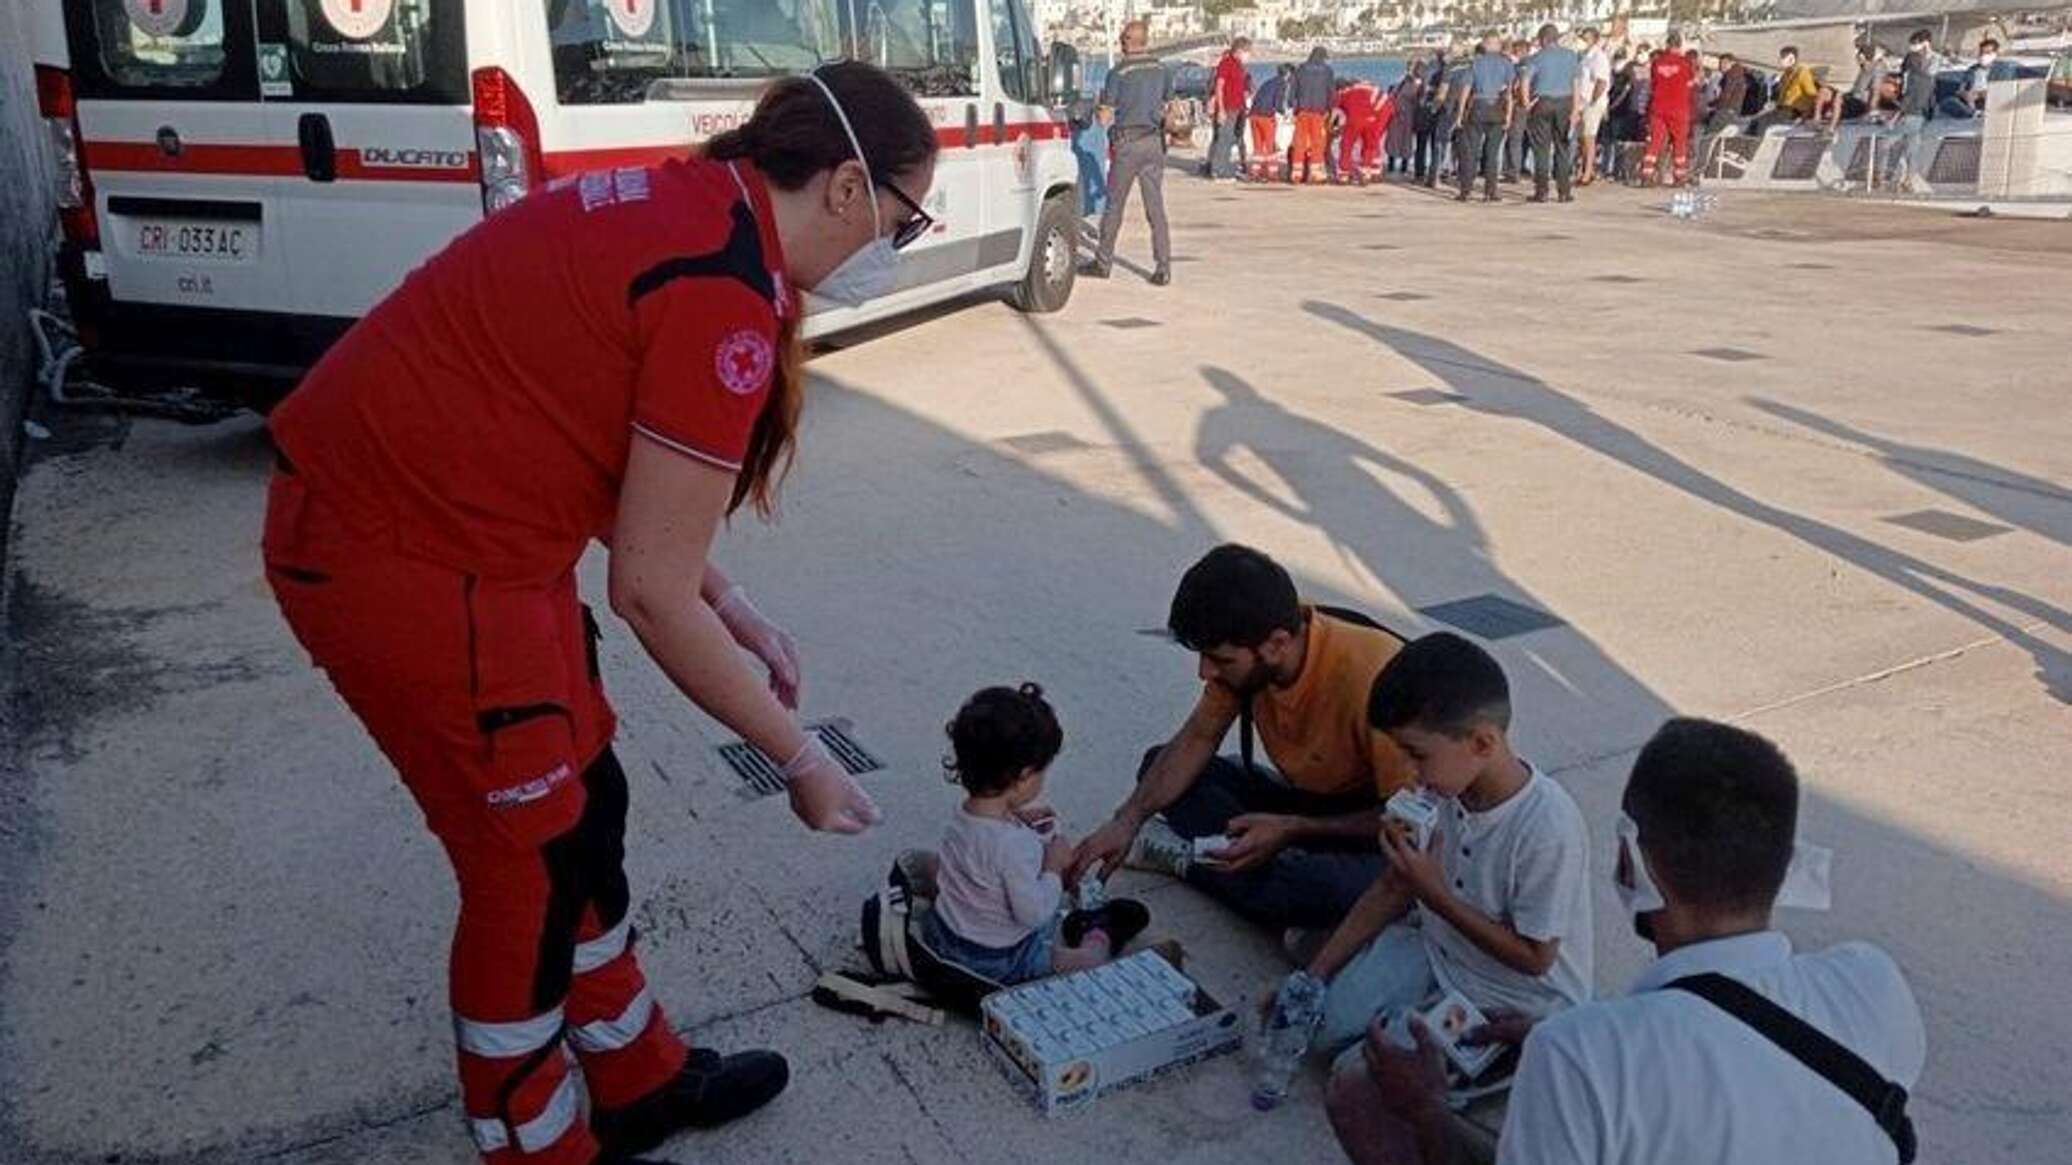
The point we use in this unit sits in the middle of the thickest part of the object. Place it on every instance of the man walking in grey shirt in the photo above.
(1133, 103)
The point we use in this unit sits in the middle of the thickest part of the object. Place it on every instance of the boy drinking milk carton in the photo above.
(1492, 914)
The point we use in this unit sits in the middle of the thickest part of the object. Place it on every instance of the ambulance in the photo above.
(239, 180)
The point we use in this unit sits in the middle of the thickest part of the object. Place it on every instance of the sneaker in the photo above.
(710, 1090)
(1094, 270)
(1159, 850)
(1122, 918)
(1162, 276)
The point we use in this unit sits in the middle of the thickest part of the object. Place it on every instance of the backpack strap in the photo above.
(1883, 1099)
(846, 993)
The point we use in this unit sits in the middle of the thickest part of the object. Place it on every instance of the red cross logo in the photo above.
(743, 362)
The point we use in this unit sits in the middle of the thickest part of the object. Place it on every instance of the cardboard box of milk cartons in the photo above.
(1067, 1040)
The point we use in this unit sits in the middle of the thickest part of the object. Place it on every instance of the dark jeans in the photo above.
(1482, 143)
(1551, 122)
(1308, 887)
(1514, 147)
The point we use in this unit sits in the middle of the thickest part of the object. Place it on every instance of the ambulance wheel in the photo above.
(1053, 261)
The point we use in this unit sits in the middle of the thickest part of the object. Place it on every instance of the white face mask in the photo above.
(872, 269)
(1806, 876)
(1987, 59)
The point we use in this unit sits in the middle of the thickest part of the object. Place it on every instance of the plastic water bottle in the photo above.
(1296, 1012)
(1682, 205)
(1092, 893)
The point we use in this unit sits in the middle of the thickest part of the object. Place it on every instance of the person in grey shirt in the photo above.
(1484, 114)
(1916, 104)
(1133, 104)
(1551, 114)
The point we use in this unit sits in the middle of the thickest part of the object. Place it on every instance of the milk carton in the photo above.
(1418, 812)
(1067, 1040)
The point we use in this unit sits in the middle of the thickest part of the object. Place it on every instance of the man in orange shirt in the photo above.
(1302, 837)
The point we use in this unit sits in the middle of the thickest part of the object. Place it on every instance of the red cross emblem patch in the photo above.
(743, 361)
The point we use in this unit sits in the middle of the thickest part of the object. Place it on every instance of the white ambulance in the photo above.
(241, 179)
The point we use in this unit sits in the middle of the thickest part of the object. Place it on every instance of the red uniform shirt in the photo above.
(1230, 83)
(1669, 79)
(1356, 102)
(481, 415)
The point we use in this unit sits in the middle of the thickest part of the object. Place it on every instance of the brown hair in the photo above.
(793, 135)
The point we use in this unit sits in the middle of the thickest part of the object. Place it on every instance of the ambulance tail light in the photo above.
(75, 188)
(507, 138)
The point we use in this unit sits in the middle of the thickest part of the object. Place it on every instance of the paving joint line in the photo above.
(1879, 675)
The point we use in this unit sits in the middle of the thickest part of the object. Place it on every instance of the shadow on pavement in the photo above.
(1500, 390)
(2017, 498)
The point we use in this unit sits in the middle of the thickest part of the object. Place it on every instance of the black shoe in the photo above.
(1123, 918)
(710, 1091)
(1537, 196)
(1162, 276)
(1565, 196)
(1094, 270)
(1461, 197)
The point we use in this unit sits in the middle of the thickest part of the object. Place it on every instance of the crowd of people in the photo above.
(1508, 109)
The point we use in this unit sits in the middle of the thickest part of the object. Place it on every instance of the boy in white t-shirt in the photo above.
(1497, 905)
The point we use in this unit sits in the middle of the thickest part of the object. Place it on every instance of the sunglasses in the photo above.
(912, 227)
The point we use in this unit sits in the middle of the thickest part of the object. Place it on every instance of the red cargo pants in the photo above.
(486, 698)
(1674, 127)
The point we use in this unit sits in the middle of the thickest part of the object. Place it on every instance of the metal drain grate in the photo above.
(763, 777)
(1379, 247)
(1491, 616)
(1403, 296)
(1428, 396)
(1944, 524)
(1730, 355)
(1812, 266)
(1965, 330)
(1616, 279)
(1129, 322)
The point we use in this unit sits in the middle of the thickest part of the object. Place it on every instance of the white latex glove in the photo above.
(764, 640)
(824, 795)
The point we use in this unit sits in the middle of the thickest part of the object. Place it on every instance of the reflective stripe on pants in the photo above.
(537, 1135)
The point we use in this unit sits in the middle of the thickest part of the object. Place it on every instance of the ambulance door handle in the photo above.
(970, 126)
(999, 124)
(319, 152)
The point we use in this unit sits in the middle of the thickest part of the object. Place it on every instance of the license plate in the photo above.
(221, 242)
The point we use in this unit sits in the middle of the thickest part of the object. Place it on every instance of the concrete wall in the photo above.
(25, 229)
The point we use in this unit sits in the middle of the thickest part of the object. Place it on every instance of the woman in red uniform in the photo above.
(613, 358)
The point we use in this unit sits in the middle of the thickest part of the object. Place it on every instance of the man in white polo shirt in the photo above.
(1663, 1074)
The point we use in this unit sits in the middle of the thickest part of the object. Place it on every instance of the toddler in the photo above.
(1000, 878)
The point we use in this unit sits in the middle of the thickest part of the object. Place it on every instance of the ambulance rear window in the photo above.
(158, 44)
(617, 51)
(365, 50)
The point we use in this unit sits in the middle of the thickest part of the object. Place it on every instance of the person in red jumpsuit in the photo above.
(1671, 78)
(613, 358)
(1359, 143)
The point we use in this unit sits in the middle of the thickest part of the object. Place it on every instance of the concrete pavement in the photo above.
(226, 927)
